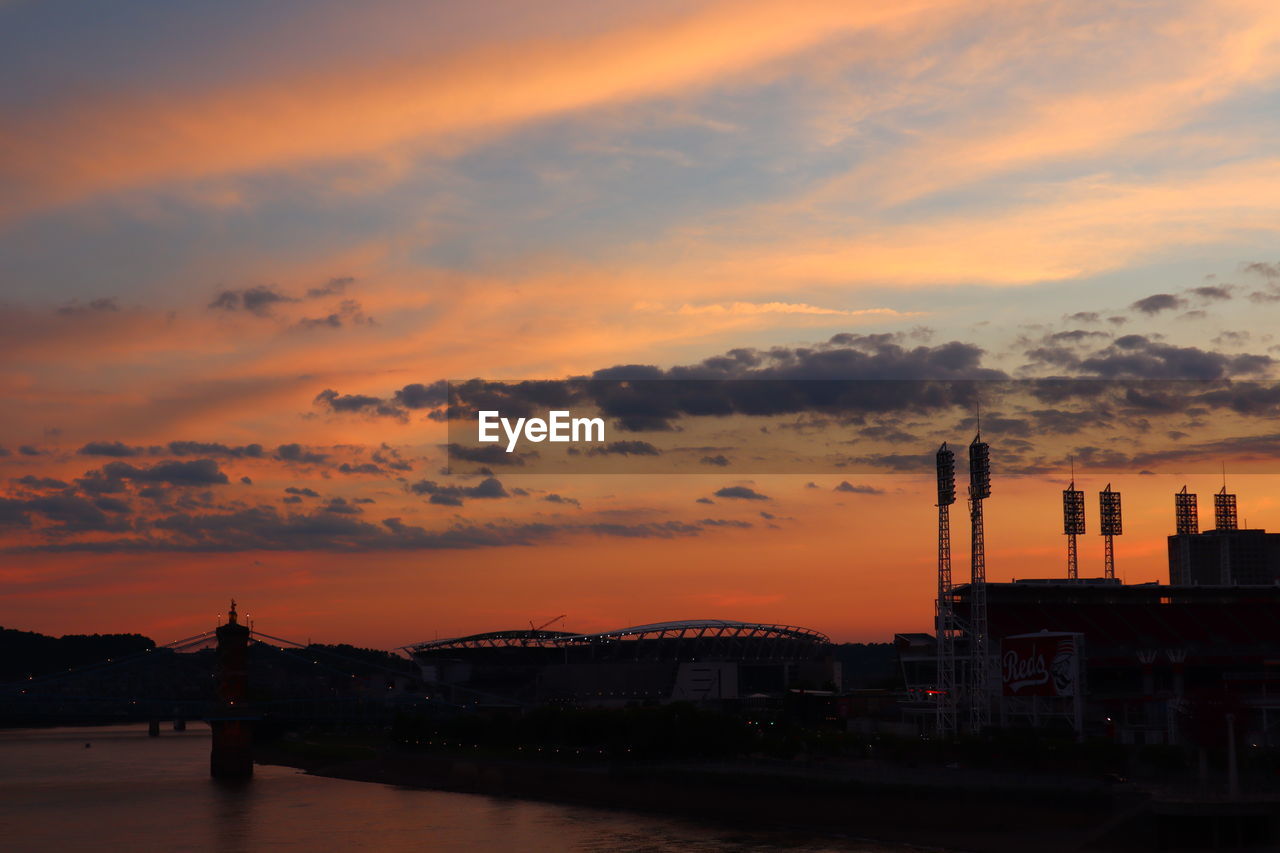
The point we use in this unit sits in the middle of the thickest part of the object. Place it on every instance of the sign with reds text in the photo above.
(1044, 664)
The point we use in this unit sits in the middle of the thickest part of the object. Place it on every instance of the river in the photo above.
(129, 792)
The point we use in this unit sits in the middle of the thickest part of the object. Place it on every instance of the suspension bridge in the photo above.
(288, 681)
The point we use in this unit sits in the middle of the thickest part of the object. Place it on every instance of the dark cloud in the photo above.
(99, 483)
(256, 300)
(889, 433)
(349, 313)
(331, 321)
(341, 506)
(704, 501)
(1060, 357)
(625, 448)
(265, 528)
(97, 306)
(197, 472)
(561, 499)
(1068, 422)
(390, 458)
(647, 530)
(117, 449)
(29, 450)
(1264, 449)
(1074, 336)
(850, 488)
(1263, 269)
(513, 399)
(359, 468)
(1212, 292)
(1085, 317)
(297, 453)
(1138, 357)
(202, 448)
(419, 396)
(1254, 399)
(340, 403)
(1158, 302)
(826, 378)
(741, 493)
(33, 482)
(452, 495)
(719, 460)
(725, 522)
(896, 462)
(332, 287)
(112, 505)
(13, 512)
(1231, 338)
(75, 514)
(301, 491)
(490, 454)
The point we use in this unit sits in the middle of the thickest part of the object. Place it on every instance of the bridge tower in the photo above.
(232, 753)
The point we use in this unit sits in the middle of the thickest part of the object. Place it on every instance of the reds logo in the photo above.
(1024, 672)
(1039, 665)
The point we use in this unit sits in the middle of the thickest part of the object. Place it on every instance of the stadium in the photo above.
(706, 660)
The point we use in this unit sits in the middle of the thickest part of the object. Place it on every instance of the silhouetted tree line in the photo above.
(27, 653)
(369, 662)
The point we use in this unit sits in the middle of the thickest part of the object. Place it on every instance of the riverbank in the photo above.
(947, 809)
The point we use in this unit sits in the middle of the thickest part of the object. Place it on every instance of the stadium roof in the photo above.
(682, 629)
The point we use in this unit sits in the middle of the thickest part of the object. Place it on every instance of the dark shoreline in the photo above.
(932, 810)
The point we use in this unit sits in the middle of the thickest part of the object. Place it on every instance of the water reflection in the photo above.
(129, 792)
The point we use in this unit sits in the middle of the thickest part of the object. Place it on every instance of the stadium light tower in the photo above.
(1072, 522)
(1110, 526)
(979, 658)
(1224, 510)
(1186, 513)
(945, 616)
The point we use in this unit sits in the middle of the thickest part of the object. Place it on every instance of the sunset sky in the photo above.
(240, 243)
